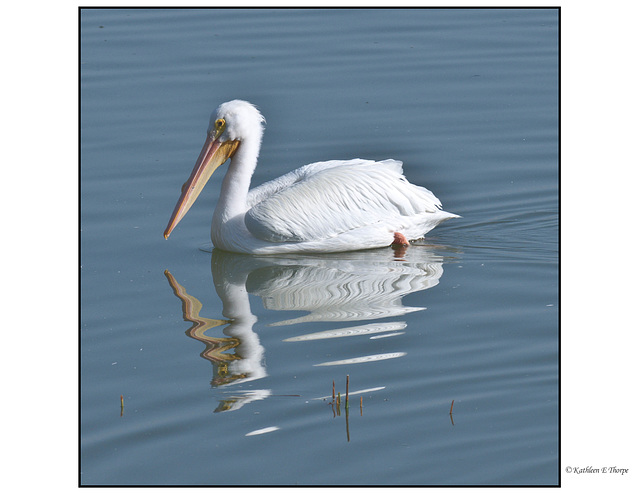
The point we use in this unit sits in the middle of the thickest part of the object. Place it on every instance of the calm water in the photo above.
(468, 100)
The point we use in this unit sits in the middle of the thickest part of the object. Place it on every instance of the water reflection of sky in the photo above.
(468, 100)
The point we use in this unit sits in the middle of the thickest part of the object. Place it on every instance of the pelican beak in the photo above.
(214, 153)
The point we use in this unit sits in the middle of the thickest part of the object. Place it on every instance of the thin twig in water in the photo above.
(346, 403)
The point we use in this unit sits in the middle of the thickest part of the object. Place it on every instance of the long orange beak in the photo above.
(214, 153)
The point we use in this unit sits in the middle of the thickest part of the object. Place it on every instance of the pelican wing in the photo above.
(325, 199)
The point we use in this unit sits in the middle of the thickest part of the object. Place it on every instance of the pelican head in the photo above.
(230, 124)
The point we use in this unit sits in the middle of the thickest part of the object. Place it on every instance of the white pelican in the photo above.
(322, 207)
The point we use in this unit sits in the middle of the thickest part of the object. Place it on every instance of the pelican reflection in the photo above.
(358, 286)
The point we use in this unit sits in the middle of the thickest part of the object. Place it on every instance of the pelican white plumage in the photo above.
(325, 207)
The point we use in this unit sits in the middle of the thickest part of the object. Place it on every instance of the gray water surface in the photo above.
(226, 362)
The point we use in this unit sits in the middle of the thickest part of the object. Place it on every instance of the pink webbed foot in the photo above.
(399, 240)
(399, 245)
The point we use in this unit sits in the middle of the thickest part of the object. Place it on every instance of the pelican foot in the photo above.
(399, 240)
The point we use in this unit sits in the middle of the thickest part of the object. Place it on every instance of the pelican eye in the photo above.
(219, 125)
